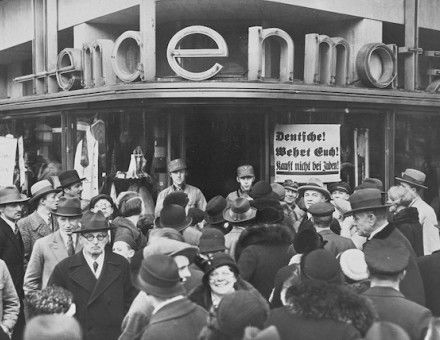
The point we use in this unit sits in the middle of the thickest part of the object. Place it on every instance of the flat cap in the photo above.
(386, 257)
(245, 171)
(321, 209)
(341, 186)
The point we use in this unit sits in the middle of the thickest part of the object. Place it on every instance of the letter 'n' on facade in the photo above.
(257, 54)
(98, 70)
(341, 61)
(318, 59)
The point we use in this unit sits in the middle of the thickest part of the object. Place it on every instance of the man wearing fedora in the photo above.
(370, 218)
(314, 191)
(72, 186)
(98, 279)
(174, 316)
(245, 178)
(414, 180)
(214, 214)
(178, 172)
(387, 262)
(40, 223)
(50, 250)
(240, 214)
(11, 244)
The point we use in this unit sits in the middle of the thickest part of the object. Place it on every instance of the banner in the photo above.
(307, 150)
(8, 149)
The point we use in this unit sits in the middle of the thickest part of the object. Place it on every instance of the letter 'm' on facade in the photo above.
(174, 53)
(257, 53)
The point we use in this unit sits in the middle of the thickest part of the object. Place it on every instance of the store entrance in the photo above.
(217, 141)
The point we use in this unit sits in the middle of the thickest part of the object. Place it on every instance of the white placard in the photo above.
(8, 149)
(307, 150)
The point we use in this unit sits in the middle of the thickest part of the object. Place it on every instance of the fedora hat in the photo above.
(366, 199)
(214, 210)
(413, 177)
(239, 211)
(11, 195)
(176, 165)
(91, 222)
(167, 246)
(159, 276)
(69, 177)
(40, 189)
(174, 216)
(68, 207)
(314, 184)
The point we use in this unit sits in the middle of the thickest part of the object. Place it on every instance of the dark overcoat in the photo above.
(12, 252)
(393, 307)
(181, 319)
(430, 269)
(412, 284)
(100, 303)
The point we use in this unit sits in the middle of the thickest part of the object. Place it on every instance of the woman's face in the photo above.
(104, 206)
(222, 280)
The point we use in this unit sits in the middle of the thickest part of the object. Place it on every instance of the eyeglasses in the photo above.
(91, 237)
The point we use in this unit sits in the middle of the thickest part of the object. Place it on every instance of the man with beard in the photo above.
(245, 177)
(11, 244)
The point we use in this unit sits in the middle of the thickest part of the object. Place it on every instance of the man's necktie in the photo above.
(95, 266)
(70, 248)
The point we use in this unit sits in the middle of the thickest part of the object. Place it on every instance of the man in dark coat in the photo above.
(430, 269)
(386, 261)
(370, 217)
(174, 316)
(11, 244)
(98, 279)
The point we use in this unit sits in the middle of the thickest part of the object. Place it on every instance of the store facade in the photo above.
(209, 82)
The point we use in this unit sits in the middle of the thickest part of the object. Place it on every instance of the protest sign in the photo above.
(307, 150)
(8, 148)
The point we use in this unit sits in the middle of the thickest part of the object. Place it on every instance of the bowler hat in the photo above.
(69, 177)
(212, 240)
(214, 210)
(40, 189)
(316, 185)
(176, 165)
(92, 222)
(279, 190)
(174, 216)
(68, 207)
(386, 257)
(262, 189)
(321, 209)
(370, 183)
(159, 276)
(245, 171)
(413, 177)
(11, 195)
(320, 265)
(289, 184)
(340, 186)
(176, 197)
(239, 211)
(366, 199)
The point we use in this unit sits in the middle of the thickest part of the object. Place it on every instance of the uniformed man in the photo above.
(178, 171)
(245, 177)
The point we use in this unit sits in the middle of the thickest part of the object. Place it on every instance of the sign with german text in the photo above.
(307, 150)
(8, 149)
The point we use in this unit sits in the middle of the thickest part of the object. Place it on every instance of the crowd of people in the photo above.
(270, 261)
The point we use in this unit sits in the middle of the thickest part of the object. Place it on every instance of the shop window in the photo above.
(40, 155)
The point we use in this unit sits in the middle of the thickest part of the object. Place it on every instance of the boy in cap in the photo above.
(387, 261)
(245, 178)
(40, 222)
(51, 249)
(414, 180)
(174, 316)
(177, 169)
(322, 215)
(370, 217)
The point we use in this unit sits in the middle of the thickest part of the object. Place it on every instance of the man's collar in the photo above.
(44, 215)
(378, 230)
(8, 221)
(181, 188)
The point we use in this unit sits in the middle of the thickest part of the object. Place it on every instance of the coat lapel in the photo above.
(9, 233)
(57, 246)
(110, 272)
(81, 274)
